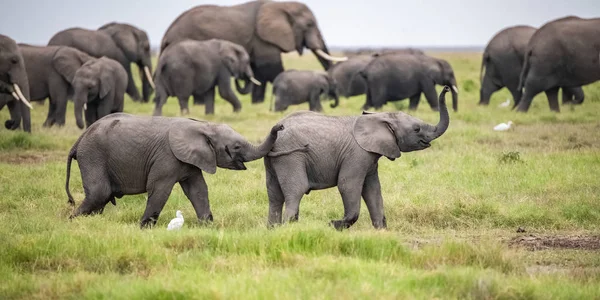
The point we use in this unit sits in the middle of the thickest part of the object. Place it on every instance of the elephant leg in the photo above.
(516, 94)
(97, 191)
(196, 190)
(350, 186)
(414, 101)
(132, 90)
(430, 94)
(314, 102)
(572, 95)
(371, 193)
(258, 93)
(552, 95)
(183, 105)
(227, 93)
(51, 111)
(200, 99)
(15, 111)
(276, 197)
(208, 99)
(488, 87)
(59, 96)
(532, 88)
(293, 182)
(158, 194)
(160, 98)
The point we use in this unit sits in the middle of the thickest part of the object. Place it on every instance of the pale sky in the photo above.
(344, 23)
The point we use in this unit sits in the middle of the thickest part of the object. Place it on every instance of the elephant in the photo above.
(50, 70)
(124, 43)
(14, 85)
(345, 73)
(151, 154)
(299, 86)
(502, 62)
(264, 28)
(393, 77)
(99, 87)
(562, 53)
(196, 67)
(342, 152)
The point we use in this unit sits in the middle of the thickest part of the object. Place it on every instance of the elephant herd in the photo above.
(208, 45)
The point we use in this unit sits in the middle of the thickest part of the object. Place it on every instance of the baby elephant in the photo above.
(342, 152)
(123, 154)
(196, 68)
(99, 87)
(296, 87)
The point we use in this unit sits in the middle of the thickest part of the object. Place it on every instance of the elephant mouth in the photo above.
(424, 144)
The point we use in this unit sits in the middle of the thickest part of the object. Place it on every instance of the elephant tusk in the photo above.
(255, 81)
(15, 95)
(328, 57)
(455, 89)
(85, 106)
(149, 77)
(21, 97)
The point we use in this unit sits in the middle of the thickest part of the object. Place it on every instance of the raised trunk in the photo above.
(263, 149)
(442, 125)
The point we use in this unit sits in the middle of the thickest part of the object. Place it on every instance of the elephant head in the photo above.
(443, 74)
(237, 61)
(135, 45)
(91, 82)
(292, 26)
(208, 146)
(389, 134)
(14, 81)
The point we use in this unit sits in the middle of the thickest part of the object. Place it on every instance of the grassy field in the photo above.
(452, 212)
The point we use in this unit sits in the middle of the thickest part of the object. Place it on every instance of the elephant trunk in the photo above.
(80, 99)
(263, 149)
(442, 125)
(454, 96)
(334, 94)
(244, 87)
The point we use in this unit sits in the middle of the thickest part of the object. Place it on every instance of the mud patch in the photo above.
(535, 243)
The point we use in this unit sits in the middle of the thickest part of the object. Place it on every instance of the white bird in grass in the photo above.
(505, 103)
(176, 223)
(503, 126)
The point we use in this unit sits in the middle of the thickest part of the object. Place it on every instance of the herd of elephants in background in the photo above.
(208, 45)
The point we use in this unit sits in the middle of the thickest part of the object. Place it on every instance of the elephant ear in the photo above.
(273, 25)
(230, 58)
(126, 40)
(375, 133)
(191, 145)
(67, 60)
(107, 80)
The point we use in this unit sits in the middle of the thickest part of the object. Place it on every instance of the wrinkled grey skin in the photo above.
(342, 152)
(99, 85)
(50, 71)
(502, 62)
(294, 87)
(196, 68)
(12, 71)
(562, 53)
(152, 154)
(393, 77)
(265, 29)
(371, 51)
(124, 43)
(345, 73)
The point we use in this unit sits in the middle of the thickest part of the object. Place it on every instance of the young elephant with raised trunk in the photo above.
(122, 154)
(342, 152)
(100, 86)
(294, 87)
(196, 68)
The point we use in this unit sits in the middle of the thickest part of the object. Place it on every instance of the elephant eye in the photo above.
(237, 147)
(417, 128)
(14, 60)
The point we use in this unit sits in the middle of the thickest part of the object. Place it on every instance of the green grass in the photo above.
(452, 212)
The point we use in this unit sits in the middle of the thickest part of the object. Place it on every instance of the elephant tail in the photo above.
(72, 155)
(286, 152)
(524, 71)
(484, 61)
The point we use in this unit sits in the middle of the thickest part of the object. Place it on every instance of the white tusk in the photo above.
(455, 89)
(15, 95)
(329, 57)
(21, 97)
(149, 77)
(255, 81)
(85, 106)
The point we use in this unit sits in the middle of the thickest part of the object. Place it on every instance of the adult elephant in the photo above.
(265, 29)
(14, 85)
(345, 73)
(502, 62)
(50, 70)
(182, 150)
(393, 77)
(99, 87)
(124, 43)
(294, 87)
(342, 152)
(562, 53)
(196, 68)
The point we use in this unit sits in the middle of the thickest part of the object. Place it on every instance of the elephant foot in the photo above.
(339, 224)
(148, 223)
(380, 224)
(11, 125)
(206, 220)
(237, 109)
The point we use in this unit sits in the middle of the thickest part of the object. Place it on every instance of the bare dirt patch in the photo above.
(534, 243)
(28, 158)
